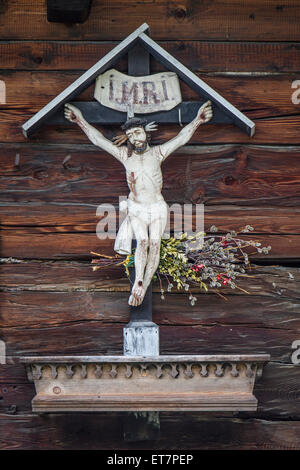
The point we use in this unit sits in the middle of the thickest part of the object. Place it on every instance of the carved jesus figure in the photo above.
(146, 208)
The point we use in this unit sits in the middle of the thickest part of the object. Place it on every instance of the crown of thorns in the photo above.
(129, 124)
(134, 122)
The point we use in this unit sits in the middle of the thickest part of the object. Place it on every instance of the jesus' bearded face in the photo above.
(137, 136)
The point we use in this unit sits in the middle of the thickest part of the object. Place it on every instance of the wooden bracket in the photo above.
(141, 426)
(71, 11)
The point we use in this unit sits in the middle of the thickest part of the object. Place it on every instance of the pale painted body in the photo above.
(146, 209)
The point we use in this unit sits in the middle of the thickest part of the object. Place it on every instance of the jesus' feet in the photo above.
(137, 294)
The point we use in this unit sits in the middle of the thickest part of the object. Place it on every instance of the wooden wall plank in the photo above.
(229, 20)
(27, 243)
(13, 374)
(243, 174)
(41, 321)
(278, 391)
(214, 175)
(92, 338)
(72, 276)
(191, 431)
(23, 309)
(29, 91)
(16, 398)
(199, 56)
(82, 218)
(270, 131)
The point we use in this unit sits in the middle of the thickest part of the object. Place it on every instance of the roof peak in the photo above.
(139, 36)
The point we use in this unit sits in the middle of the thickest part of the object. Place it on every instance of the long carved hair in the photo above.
(134, 122)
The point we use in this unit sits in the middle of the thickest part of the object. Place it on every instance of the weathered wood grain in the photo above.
(59, 276)
(16, 398)
(104, 431)
(214, 175)
(93, 337)
(204, 56)
(29, 243)
(230, 20)
(29, 91)
(12, 374)
(271, 303)
(42, 172)
(278, 391)
(242, 170)
(82, 218)
(271, 131)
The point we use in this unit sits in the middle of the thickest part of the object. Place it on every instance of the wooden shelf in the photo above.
(137, 383)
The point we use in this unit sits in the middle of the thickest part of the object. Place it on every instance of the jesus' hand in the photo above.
(205, 113)
(72, 113)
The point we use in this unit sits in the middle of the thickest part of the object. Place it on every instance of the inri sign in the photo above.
(152, 93)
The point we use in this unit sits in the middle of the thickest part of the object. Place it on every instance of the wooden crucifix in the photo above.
(146, 210)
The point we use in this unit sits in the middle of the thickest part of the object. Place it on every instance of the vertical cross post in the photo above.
(141, 335)
(138, 61)
(141, 338)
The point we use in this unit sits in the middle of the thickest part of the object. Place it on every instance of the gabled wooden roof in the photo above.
(138, 36)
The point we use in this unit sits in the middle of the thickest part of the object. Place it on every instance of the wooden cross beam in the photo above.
(185, 112)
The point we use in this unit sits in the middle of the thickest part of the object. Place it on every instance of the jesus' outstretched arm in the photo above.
(204, 115)
(73, 114)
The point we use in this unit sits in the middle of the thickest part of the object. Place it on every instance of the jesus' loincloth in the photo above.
(147, 213)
